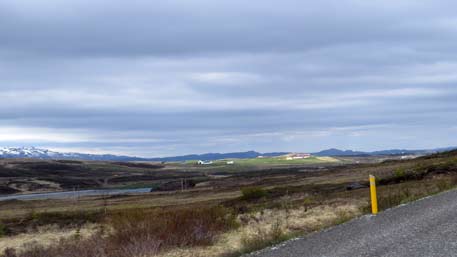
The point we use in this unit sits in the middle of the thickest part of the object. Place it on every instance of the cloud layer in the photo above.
(155, 78)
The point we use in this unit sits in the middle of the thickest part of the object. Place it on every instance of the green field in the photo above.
(282, 160)
(269, 161)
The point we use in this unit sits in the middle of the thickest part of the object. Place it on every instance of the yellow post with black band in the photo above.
(374, 199)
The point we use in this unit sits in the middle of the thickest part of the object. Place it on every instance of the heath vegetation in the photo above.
(225, 215)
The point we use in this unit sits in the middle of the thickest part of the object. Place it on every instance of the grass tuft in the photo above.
(253, 193)
(264, 238)
(3, 230)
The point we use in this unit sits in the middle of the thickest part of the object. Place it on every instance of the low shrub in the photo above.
(142, 233)
(253, 193)
(395, 198)
(342, 217)
(308, 202)
(264, 238)
(186, 227)
(444, 185)
(400, 173)
(64, 219)
(93, 247)
(3, 230)
(67, 219)
(406, 194)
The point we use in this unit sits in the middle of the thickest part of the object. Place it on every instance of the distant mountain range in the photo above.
(32, 152)
(219, 156)
(337, 152)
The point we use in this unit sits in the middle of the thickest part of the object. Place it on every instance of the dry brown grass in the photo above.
(257, 229)
(267, 227)
(199, 233)
(44, 236)
(139, 233)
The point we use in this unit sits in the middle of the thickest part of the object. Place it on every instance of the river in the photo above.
(74, 194)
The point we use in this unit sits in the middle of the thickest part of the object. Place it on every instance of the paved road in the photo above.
(426, 228)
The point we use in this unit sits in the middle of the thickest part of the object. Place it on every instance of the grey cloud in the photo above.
(174, 77)
(98, 28)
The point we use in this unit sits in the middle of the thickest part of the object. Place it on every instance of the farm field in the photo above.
(240, 164)
(283, 161)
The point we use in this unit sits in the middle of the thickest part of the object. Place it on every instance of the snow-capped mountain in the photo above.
(38, 153)
(22, 152)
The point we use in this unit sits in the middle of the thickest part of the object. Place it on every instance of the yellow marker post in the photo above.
(374, 199)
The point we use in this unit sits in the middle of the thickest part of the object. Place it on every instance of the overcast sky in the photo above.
(159, 78)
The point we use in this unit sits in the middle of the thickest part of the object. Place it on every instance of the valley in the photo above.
(307, 195)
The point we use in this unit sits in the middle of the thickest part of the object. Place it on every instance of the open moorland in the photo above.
(200, 210)
(22, 176)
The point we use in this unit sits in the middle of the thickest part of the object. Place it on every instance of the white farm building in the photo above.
(200, 162)
(297, 156)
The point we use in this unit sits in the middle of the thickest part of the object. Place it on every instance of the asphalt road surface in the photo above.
(425, 228)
